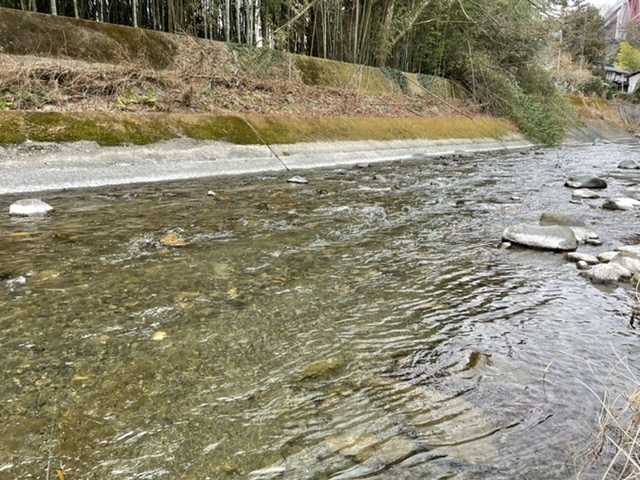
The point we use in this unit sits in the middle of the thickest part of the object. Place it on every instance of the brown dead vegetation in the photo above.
(42, 84)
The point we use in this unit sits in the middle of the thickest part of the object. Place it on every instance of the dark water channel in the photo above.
(361, 326)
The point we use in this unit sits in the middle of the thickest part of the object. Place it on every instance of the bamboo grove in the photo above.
(406, 34)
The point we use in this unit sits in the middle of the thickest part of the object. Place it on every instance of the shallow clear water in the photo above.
(362, 326)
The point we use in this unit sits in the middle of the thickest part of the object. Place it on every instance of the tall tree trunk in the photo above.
(54, 8)
(238, 29)
(383, 47)
(134, 11)
(75, 9)
(356, 29)
(205, 19)
(227, 20)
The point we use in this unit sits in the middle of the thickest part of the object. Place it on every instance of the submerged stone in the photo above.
(585, 181)
(29, 207)
(629, 165)
(561, 219)
(322, 368)
(582, 265)
(554, 237)
(623, 203)
(173, 240)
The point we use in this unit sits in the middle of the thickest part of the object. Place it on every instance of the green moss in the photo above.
(28, 33)
(11, 128)
(140, 129)
(282, 129)
(329, 73)
(227, 128)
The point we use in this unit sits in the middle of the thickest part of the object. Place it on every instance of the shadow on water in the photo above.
(361, 326)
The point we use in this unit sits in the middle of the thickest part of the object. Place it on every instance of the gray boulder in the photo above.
(584, 235)
(29, 207)
(606, 257)
(630, 263)
(629, 165)
(554, 237)
(582, 257)
(585, 181)
(622, 203)
(607, 273)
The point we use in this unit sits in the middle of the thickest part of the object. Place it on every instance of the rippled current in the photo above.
(362, 326)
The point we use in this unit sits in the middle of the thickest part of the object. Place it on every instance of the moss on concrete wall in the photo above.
(123, 128)
(28, 33)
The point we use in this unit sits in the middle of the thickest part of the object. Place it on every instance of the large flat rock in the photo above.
(553, 237)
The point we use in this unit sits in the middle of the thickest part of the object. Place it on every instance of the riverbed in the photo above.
(364, 325)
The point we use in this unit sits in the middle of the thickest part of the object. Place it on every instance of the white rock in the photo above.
(582, 257)
(607, 273)
(582, 265)
(298, 179)
(583, 235)
(21, 280)
(555, 237)
(630, 263)
(606, 257)
(584, 194)
(28, 207)
(622, 203)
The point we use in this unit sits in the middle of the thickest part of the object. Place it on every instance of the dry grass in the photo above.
(616, 444)
(34, 83)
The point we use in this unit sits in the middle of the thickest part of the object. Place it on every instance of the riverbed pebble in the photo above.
(298, 179)
(582, 265)
(585, 181)
(29, 207)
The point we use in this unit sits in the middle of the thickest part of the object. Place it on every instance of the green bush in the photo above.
(595, 87)
(527, 96)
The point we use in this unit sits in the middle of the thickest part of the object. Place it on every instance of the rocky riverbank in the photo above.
(560, 232)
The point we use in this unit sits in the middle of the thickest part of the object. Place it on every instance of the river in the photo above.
(362, 326)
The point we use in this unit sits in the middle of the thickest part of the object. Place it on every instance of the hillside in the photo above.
(66, 79)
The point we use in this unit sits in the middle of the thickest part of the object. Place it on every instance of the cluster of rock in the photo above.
(565, 233)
